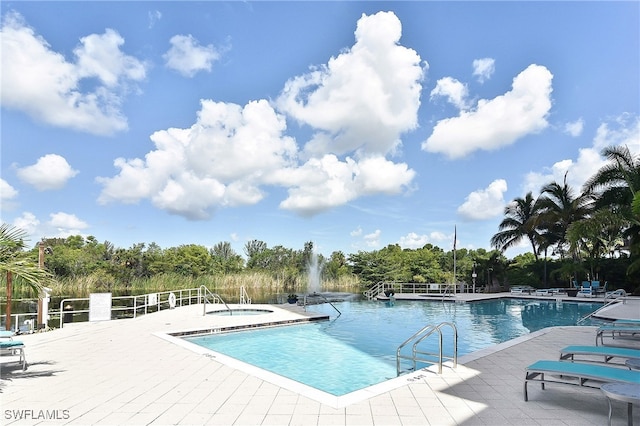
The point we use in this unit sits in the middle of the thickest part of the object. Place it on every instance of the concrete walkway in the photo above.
(130, 372)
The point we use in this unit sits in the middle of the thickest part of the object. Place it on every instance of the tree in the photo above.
(16, 263)
(521, 221)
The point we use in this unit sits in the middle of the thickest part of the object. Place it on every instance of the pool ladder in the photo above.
(206, 296)
(419, 337)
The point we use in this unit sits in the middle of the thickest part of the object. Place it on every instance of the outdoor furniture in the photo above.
(606, 352)
(10, 347)
(624, 392)
(577, 374)
(620, 331)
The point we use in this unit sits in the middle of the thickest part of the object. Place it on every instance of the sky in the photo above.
(353, 125)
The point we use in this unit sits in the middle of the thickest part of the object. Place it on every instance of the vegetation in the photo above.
(594, 234)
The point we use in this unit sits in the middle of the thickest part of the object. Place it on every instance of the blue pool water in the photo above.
(358, 348)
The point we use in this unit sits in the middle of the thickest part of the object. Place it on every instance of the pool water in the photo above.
(358, 348)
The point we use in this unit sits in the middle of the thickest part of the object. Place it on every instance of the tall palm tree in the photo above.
(15, 263)
(560, 208)
(520, 222)
(617, 185)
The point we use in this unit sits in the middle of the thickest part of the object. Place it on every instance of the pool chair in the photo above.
(619, 331)
(577, 374)
(10, 347)
(606, 352)
(586, 290)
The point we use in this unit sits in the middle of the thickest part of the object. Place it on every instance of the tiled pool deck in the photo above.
(127, 372)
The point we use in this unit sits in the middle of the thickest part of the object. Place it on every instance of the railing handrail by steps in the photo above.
(216, 298)
(304, 301)
(374, 290)
(244, 296)
(421, 335)
(609, 303)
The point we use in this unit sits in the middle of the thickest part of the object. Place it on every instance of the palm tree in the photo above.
(617, 185)
(560, 208)
(521, 221)
(14, 262)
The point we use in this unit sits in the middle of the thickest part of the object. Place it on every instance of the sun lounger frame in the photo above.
(577, 374)
(607, 353)
(10, 347)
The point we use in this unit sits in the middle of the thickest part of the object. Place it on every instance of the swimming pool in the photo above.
(357, 349)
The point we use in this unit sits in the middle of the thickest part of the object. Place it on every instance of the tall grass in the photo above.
(261, 287)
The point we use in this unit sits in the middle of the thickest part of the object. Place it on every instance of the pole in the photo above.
(39, 324)
(9, 297)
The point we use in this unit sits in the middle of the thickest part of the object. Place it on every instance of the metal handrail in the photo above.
(216, 298)
(622, 299)
(421, 335)
(304, 302)
(244, 296)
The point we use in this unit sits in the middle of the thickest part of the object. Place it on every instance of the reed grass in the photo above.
(260, 286)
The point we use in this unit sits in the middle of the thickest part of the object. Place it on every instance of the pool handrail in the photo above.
(215, 297)
(422, 334)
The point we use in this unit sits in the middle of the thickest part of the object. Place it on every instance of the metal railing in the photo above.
(130, 306)
(205, 293)
(426, 288)
(419, 337)
(29, 322)
(244, 296)
(622, 299)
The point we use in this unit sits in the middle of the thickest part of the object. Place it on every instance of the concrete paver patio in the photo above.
(122, 372)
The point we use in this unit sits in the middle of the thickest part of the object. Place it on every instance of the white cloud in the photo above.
(7, 192)
(356, 232)
(455, 92)
(28, 223)
(232, 152)
(364, 98)
(623, 130)
(49, 172)
(154, 16)
(220, 161)
(483, 69)
(497, 122)
(413, 241)
(373, 239)
(485, 203)
(43, 84)
(188, 57)
(67, 224)
(574, 128)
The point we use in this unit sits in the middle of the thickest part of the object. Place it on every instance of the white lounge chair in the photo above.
(10, 347)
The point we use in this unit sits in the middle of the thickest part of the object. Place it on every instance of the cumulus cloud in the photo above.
(483, 69)
(7, 192)
(364, 98)
(413, 241)
(623, 130)
(373, 239)
(67, 224)
(84, 95)
(187, 56)
(496, 122)
(574, 128)
(356, 232)
(358, 105)
(455, 92)
(485, 203)
(28, 222)
(48, 173)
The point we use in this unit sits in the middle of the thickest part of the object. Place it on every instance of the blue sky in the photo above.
(350, 124)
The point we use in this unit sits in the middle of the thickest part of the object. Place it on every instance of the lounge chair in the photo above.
(586, 290)
(620, 331)
(10, 347)
(607, 352)
(576, 373)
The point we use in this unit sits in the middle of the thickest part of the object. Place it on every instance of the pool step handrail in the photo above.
(304, 302)
(622, 299)
(376, 289)
(215, 298)
(244, 296)
(420, 336)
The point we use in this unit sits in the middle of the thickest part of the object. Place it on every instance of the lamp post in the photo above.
(473, 276)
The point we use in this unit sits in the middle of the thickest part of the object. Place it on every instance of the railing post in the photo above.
(135, 310)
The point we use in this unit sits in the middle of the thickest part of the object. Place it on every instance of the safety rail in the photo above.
(413, 288)
(305, 303)
(215, 298)
(130, 306)
(419, 337)
(28, 323)
(375, 290)
(244, 296)
(621, 299)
